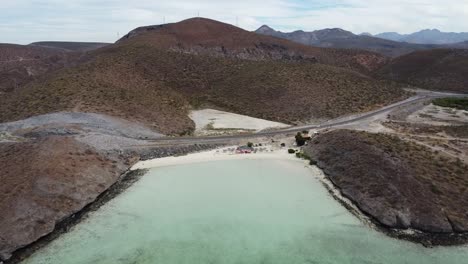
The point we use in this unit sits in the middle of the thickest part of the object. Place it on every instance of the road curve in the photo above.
(328, 124)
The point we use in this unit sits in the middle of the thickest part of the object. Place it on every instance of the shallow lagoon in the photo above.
(238, 211)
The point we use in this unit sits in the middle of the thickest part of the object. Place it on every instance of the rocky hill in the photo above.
(439, 69)
(208, 37)
(45, 181)
(398, 183)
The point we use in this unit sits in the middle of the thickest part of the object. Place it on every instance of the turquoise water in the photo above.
(240, 211)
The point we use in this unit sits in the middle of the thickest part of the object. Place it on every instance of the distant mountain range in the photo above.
(339, 38)
(427, 36)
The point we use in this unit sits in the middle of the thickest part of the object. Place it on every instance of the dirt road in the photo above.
(422, 96)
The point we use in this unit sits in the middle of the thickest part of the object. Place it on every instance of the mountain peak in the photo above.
(329, 33)
(434, 30)
(264, 29)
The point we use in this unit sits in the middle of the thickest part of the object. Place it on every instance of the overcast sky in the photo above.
(25, 21)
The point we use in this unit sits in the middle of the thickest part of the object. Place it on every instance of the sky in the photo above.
(26, 21)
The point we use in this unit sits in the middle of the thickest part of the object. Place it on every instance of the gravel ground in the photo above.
(88, 122)
(104, 133)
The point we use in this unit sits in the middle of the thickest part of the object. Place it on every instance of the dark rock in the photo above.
(399, 184)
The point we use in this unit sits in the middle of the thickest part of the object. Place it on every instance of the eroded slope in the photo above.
(158, 88)
(45, 181)
(400, 184)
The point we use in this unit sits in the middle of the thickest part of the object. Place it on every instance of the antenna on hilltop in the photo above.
(164, 19)
(237, 21)
(198, 14)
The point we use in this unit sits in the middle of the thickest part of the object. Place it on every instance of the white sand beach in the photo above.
(225, 153)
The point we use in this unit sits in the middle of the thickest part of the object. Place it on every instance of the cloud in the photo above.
(25, 21)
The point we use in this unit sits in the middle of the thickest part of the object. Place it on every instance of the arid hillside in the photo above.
(155, 75)
(45, 181)
(209, 37)
(20, 64)
(399, 183)
(439, 69)
(157, 87)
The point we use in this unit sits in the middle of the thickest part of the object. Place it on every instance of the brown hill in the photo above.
(439, 69)
(209, 37)
(20, 64)
(145, 78)
(45, 181)
(158, 88)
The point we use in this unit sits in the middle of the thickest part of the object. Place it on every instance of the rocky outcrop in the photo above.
(55, 165)
(45, 181)
(399, 184)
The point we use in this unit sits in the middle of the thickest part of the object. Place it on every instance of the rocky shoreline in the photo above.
(395, 197)
(426, 239)
(334, 186)
(123, 183)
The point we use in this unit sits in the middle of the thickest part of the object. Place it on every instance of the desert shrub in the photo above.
(458, 103)
(300, 141)
(291, 151)
(302, 155)
(250, 144)
(313, 162)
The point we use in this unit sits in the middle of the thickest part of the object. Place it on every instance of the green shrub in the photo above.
(302, 155)
(300, 141)
(291, 151)
(250, 144)
(458, 103)
(313, 162)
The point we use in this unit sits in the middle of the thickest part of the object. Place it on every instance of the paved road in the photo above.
(328, 124)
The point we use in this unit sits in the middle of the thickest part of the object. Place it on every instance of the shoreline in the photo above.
(125, 181)
(139, 169)
(425, 239)
(210, 156)
(412, 235)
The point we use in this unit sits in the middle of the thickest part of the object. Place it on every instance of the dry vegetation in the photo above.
(156, 74)
(158, 87)
(20, 65)
(438, 69)
(457, 103)
(401, 184)
(456, 131)
(45, 181)
(208, 37)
